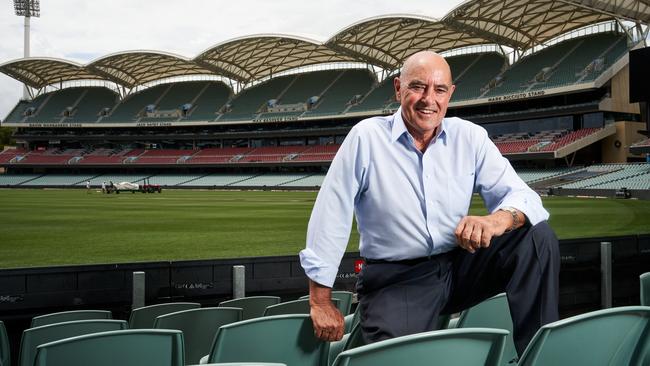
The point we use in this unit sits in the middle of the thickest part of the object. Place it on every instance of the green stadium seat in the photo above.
(355, 339)
(17, 114)
(92, 103)
(345, 300)
(449, 347)
(246, 104)
(287, 339)
(300, 306)
(377, 97)
(66, 316)
(138, 347)
(5, 351)
(491, 313)
(253, 306)
(199, 327)
(645, 288)
(243, 364)
(336, 348)
(616, 336)
(211, 99)
(33, 337)
(473, 72)
(352, 319)
(145, 317)
(352, 340)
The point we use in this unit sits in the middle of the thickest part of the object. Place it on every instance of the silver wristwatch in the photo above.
(515, 217)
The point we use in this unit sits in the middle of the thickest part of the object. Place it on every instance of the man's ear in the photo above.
(397, 85)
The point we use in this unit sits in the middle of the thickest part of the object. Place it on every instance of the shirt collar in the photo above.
(399, 128)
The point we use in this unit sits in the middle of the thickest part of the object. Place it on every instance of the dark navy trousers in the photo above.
(407, 297)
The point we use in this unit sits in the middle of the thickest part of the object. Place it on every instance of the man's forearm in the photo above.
(319, 294)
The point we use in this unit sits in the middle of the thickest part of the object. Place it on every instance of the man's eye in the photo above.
(417, 87)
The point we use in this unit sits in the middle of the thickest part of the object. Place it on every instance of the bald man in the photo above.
(409, 179)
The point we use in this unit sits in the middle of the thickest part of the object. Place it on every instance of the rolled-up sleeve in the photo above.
(500, 186)
(330, 223)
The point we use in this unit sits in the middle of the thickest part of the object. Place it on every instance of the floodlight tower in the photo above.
(27, 9)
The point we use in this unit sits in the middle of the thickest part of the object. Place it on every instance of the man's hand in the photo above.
(474, 232)
(328, 322)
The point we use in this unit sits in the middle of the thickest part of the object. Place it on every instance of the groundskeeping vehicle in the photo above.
(145, 187)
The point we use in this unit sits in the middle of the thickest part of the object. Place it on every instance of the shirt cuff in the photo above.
(533, 215)
(316, 269)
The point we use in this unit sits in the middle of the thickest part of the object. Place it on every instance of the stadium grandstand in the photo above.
(547, 79)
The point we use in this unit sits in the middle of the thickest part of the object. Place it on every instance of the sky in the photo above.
(82, 30)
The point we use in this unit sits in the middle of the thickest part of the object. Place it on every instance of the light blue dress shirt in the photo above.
(407, 203)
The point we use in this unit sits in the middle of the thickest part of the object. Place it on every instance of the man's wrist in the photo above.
(319, 294)
(514, 216)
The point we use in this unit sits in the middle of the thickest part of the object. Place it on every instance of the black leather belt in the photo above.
(410, 261)
(406, 262)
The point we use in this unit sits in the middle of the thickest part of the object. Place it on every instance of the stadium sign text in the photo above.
(277, 119)
(11, 298)
(153, 124)
(530, 94)
(54, 125)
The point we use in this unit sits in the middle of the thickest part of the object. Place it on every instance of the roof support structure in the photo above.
(383, 42)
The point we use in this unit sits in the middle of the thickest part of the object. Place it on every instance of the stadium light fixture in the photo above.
(27, 9)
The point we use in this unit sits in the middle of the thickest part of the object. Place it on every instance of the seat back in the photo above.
(300, 306)
(345, 300)
(33, 337)
(243, 364)
(199, 327)
(616, 336)
(137, 347)
(5, 352)
(351, 340)
(287, 339)
(491, 313)
(645, 288)
(68, 316)
(449, 347)
(253, 306)
(352, 319)
(144, 317)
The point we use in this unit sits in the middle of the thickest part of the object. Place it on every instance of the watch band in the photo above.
(515, 217)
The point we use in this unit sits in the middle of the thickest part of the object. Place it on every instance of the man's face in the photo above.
(424, 90)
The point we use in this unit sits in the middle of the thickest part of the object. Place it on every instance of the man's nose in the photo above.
(427, 96)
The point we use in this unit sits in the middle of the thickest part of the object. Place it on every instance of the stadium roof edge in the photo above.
(631, 10)
(385, 16)
(254, 57)
(261, 35)
(56, 59)
(138, 67)
(383, 41)
(38, 72)
(139, 51)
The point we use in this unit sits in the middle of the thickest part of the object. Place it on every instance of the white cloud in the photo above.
(81, 31)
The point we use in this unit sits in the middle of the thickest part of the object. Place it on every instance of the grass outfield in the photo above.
(57, 227)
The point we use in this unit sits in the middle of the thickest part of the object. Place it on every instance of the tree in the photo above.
(6, 137)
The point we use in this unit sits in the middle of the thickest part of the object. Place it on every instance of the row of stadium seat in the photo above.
(632, 176)
(245, 330)
(323, 93)
(602, 176)
(541, 141)
(55, 156)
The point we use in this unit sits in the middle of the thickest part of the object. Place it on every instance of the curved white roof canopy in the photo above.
(383, 41)
(255, 57)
